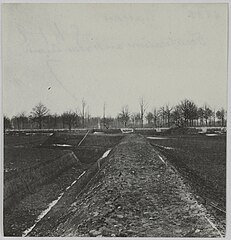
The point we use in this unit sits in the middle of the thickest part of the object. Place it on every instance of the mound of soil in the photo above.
(37, 172)
(135, 194)
(146, 132)
(63, 138)
(181, 131)
(107, 131)
(73, 139)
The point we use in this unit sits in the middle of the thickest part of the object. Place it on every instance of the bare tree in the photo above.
(200, 114)
(188, 110)
(221, 115)
(83, 111)
(104, 115)
(137, 119)
(133, 119)
(22, 119)
(207, 113)
(88, 116)
(168, 111)
(38, 114)
(155, 117)
(19, 120)
(7, 123)
(214, 117)
(16, 122)
(50, 121)
(149, 118)
(55, 120)
(143, 107)
(161, 113)
(70, 118)
(176, 114)
(124, 115)
(165, 113)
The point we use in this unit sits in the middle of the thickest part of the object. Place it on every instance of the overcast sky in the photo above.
(113, 53)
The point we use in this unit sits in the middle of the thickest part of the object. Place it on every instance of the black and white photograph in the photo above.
(114, 119)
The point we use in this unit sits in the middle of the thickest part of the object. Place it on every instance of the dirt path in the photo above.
(134, 194)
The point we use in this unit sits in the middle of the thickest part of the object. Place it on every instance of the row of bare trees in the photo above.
(40, 117)
(185, 114)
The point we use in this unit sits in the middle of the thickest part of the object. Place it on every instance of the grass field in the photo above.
(201, 159)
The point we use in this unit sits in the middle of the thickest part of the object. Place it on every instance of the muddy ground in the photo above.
(201, 159)
(132, 192)
(135, 194)
(36, 172)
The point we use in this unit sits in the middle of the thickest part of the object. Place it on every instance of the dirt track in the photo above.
(134, 194)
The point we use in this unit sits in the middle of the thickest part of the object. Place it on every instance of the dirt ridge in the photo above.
(134, 194)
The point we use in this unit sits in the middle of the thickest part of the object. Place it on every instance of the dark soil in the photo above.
(23, 214)
(201, 160)
(134, 194)
(181, 130)
(35, 172)
(131, 193)
(145, 132)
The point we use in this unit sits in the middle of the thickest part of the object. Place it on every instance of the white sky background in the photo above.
(113, 53)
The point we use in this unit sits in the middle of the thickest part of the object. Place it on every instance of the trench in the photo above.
(54, 202)
(46, 171)
(215, 223)
(47, 210)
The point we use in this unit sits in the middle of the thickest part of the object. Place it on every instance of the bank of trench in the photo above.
(43, 173)
(131, 193)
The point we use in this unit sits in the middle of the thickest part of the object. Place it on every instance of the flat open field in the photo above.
(201, 159)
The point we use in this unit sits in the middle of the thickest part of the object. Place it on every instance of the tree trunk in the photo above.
(40, 123)
(83, 123)
(18, 124)
(55, 122)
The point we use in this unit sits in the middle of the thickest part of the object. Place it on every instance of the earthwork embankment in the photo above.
(133, 192)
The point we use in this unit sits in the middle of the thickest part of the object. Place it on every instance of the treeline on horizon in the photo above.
(184, 114)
